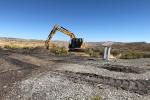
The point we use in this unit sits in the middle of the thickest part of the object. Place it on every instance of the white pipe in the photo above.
(108, 55)
(105, 53)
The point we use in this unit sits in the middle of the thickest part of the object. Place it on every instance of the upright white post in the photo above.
(105, 53)
(108, 56)
(107, 50)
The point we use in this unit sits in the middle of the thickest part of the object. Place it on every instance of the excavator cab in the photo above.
(75, 44)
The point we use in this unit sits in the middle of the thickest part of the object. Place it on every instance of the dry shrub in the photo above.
(13, 47)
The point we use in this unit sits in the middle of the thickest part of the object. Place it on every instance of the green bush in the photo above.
(97, 52)
(7, 46)
(115, 52)
(146, 55)
(97, 98)
(59, 50)
(27, 48)
(132, 55)
(89, 51)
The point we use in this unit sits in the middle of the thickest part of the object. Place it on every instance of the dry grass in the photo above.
(20, 44)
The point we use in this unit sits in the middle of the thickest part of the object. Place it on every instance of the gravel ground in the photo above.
(37, 76)
(55, 86)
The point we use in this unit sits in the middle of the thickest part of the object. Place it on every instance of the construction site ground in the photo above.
(39, 75)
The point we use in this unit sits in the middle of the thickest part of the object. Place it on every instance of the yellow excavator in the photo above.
(76, 44)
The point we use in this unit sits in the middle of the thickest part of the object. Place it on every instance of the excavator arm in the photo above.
(53, 32)
(67, 32)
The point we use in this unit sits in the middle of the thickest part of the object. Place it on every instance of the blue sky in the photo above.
(94, 20)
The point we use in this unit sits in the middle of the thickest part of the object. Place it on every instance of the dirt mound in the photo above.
(38, 50)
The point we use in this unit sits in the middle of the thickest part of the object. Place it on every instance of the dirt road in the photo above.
(38, 75)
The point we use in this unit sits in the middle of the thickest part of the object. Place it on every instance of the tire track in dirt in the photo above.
(124, 69)
(141, 87)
